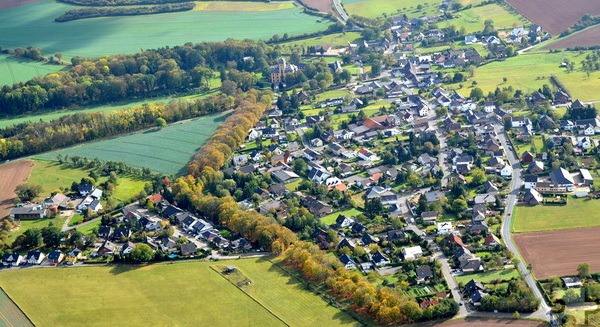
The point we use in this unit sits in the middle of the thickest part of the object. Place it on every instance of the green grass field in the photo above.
(530, 72)
(167, 150)
(181, 294)
(34, 24)
(38, 223)
(14, 70)
(376, 8)
(330, 219)
(48, 116)
(578, 213)
(87, 229)
(472, 19)
(51, 176)
(10, 314)
(489, 276)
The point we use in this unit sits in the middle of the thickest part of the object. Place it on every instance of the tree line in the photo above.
(118, 77)
(232, 133)
(118, 2)
(32, 138)
(91, 12)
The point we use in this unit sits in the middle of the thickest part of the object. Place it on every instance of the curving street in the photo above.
(544, 311)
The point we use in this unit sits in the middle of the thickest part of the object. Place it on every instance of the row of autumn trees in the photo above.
(32, 138)
(119, 77)
(383, 304)
(231, 134)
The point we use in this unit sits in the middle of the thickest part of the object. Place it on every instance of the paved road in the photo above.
(340, 11)
(544, 311)
(462, 310)
(66, 227)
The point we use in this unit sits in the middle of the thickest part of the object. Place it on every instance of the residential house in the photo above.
(30, 211)
(506, 171)
(12, 259)
(562, 177)
(367, 155)
(484, 198)
(343, 221)
(532, 197)
(379, 259)
(412, 253)
(395, 235)
(35, 257)
(535, 167)
(429, 216)
(107, 248)
(471, 265)
(188, 249)
(424, 274)
(55, 257)
(530, 181)
(348, 262)
(444, 228)
(587, 177)
(346, 243)
(85, 189)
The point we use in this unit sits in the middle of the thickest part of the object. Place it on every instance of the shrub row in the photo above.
(125, 11)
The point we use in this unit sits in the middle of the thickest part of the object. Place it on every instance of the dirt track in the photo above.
(558, 253)
(586, 38)
(11, 175)
(5, 4)
(555, 16)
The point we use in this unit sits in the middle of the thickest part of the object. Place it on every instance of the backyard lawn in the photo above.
(110, 295)
(330, 219)
(489, 276)
(578, 213)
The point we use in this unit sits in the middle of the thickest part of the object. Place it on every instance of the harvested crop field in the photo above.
(558, 253)
(555, 16)
(10, 314)
(589, 37)
(320, 5)
(6, 4)
(11, 175)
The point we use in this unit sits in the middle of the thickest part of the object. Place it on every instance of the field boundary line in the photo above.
(16, 305)
(250, 296)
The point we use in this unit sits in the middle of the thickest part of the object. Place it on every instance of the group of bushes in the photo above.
(123, 11)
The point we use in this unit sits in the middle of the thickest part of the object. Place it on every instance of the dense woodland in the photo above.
(91, 12)
(119, 77)
(32, 138)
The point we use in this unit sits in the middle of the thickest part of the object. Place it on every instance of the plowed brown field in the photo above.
(5, 4)
(320, 5)
(11, 175)
(587, 38)
(558, 253)
(555, 16)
